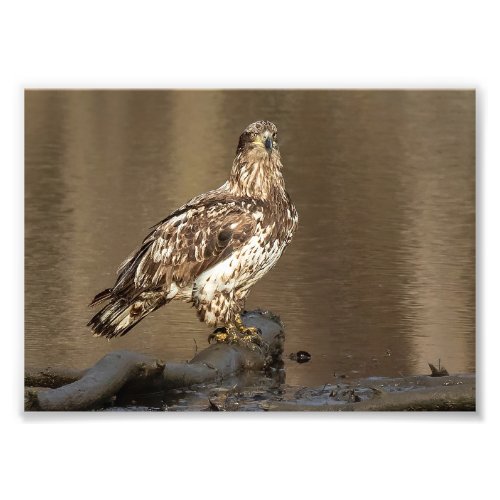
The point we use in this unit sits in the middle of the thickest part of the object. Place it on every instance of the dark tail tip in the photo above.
(101, 297)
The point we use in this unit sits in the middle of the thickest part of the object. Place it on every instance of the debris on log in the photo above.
(60, 390)
(416, 393)
(440, 371)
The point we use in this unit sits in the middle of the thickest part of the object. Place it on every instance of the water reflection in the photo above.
(380, 276)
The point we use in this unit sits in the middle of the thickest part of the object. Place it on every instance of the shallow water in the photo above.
(380, 278)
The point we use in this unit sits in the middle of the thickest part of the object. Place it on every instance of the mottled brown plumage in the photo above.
(211, 250)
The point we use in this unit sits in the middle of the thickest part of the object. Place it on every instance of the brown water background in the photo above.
(379, 279)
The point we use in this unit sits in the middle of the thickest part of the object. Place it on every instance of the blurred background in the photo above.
(379, 279)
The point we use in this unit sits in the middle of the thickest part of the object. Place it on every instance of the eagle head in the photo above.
(257, 167)
(259, 136)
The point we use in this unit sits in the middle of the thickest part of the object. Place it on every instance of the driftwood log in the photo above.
(414, 393)
(70, 390)
(123, 373)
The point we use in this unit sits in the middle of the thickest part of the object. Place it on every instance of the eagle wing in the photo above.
(181, 247)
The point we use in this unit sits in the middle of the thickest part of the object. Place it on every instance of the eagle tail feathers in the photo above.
(101, 297)
(120, 316)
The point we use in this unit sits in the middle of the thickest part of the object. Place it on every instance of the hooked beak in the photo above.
(268, 144)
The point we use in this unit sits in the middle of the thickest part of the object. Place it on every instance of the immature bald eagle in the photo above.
(211, 250)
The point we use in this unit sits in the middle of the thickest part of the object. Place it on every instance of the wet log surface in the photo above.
(124, 371)
(227, 377)
(414, 393)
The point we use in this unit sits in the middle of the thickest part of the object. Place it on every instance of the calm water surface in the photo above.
(380, 278)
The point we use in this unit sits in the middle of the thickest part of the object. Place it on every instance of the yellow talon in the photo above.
(248, 336)
(223, 335)
(252, 335)
(249, 333)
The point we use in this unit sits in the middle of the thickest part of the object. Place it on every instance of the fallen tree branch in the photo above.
(97, 385)
(419, 393)
(122, 371)
(124, 374)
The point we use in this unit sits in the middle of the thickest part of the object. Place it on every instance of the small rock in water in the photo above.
(300, 356)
